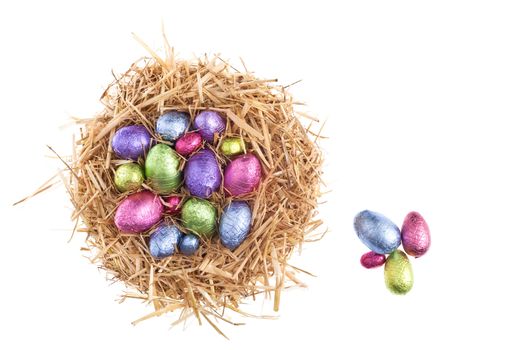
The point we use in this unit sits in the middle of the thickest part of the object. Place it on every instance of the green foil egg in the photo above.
(162, 168)
(398, 273)
(128, 177)
(232, 146)
(199, 217)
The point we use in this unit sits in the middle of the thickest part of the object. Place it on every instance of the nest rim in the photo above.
(284, 206)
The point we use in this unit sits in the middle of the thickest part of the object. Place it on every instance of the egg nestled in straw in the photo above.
(188, 143)
(199, 217)
(234, 225)
(172, 125)
(202, 175)
(138, 212)
(162, 169)
(232, 146)
(164, 240)
(209, 123)
(131, 142)
(242, 175)
(173, 204)
(189, 244)
(128, 177)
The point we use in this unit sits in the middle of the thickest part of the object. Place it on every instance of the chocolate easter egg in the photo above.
(164, 241)
(173, 204)
(199, 217)
(209, 123)
(371, 260)
(162, 169)
(188, 143)
(202, 175)
(138, 212)
(415, 235)
(398, 273)
(234, 225)
(189, 244)
(231, 146)
(131, 142)
(242, 175)
(128, 177)
(377, 232)
(172, 125)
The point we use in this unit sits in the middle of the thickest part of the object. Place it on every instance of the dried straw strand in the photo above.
(284, 207)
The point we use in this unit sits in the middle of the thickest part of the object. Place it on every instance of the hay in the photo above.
(284, 208)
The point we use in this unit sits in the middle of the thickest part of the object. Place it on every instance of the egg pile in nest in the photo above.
(283, 204)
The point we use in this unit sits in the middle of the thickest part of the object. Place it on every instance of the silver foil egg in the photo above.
(377, 232)
(164, 240)
(172, 125)
(189, 244)
(234, 225)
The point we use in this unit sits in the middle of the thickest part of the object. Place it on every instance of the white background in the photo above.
(424, 100)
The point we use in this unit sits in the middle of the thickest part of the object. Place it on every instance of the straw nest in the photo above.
(284, 207)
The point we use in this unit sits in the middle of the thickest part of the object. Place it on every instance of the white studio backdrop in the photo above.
(424, 103)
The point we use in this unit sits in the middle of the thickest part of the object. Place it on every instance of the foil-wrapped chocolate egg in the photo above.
(377, 232)
(173, 204)
(189, 244)
(371, 260)
(188, 143)
(131, 142)
(398, 273)
(138, 212)
(172, 125)
(234, 225)
(199, 217)
(232, 146)
(202, 175)
(209, 123)
(162, 169)
(128, 177)
(242, 175)
(415, 235)
(164, 241)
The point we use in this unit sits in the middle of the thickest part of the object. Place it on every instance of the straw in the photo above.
(284, 207)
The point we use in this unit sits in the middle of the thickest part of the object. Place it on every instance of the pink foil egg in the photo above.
(188, 143)
(415, 235)
(138, 212)
(371, 259)
(173, 204)
(242, 175)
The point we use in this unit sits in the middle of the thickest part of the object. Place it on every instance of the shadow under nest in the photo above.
(284, 206)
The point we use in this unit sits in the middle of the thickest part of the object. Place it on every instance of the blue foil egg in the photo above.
(172, 125)
(234, 225)
(164, 241)
(377, 232)
(189, 244)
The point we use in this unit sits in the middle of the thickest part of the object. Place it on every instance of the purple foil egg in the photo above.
(202, 175)
(371, 259)
(415, 235)
(242, 175)
(138, 212)
(131, 142)
(209, 123)
(173, 204)
(188, 143)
